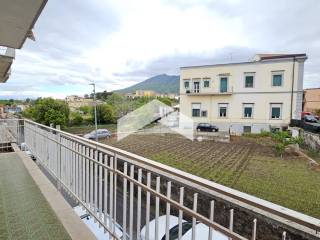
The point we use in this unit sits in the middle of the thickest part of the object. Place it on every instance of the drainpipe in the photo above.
(291, 106)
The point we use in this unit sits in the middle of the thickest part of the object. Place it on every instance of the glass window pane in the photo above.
(206, 83)
(277, 80)
(275, 113)
(223, 112)
(249, 82)
(223, 84)
(195, 112)
(204, 114)
(248, 112)
(186, 84)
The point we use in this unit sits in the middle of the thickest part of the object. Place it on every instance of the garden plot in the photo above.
(248, 165)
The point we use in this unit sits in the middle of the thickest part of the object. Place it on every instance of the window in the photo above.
(186, 84)
(275, 110)
(196, 87)
(174, 231)
(206, 83)
(223, 84)
(247, 129)
(204, 113)
(248, 110)
(277, 78)
(248, 81)
(223, 107)
(196, 109)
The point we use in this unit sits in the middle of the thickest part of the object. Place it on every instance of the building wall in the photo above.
(311, 99)
(75, 102)
(261, 95)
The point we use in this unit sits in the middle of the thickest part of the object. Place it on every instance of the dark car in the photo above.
(310, 119)
(207, 127)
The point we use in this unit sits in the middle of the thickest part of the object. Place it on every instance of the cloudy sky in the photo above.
(117, 43)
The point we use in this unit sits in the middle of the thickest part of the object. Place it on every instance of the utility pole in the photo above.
(95, 110)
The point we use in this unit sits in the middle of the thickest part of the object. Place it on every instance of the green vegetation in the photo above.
(244, 164)
(122, 105)
(47, 111)
(76, 119)
(161, 84)
(315, 155)
(105, 114)
(83, 129)
(10, 102)
(281, 139)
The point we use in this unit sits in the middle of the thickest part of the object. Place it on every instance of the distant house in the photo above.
(74, 102)
(168, 95)
(311, 99)
(145, 93)
(260, 94)
(12, 109)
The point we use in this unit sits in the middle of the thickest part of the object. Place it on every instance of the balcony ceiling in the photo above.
(5, 65)
(17, 18)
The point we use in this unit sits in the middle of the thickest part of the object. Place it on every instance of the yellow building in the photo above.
(145, 93)
(246, 96)
(74, 102)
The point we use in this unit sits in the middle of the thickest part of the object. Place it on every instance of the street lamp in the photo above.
(95, 109)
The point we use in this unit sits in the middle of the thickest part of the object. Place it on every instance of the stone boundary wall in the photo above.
(312, 140)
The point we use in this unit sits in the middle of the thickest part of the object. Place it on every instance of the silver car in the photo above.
(101, 133)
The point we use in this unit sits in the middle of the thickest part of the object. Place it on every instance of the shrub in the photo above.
(264, 133)
(76, 119)
(279, 148)
(280, 136)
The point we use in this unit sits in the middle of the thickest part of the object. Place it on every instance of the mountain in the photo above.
(161, 84)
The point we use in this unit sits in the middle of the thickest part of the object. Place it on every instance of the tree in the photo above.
(76, 118)
(85, 109)
(165, 100)
(49, 110)
(105, 114)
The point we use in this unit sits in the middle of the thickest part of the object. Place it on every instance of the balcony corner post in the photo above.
(59, 158)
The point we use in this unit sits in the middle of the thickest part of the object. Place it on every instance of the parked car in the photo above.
(94, 226)
(303, 114)
(101, 133)
(202, 231)
(207, 127)
(310, 119)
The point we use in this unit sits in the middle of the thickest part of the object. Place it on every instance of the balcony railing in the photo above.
(121, 190)
(208, 92)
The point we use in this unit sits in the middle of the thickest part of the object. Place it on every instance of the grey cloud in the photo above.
(171, 64)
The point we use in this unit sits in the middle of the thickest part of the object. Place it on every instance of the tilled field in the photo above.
(244, 164)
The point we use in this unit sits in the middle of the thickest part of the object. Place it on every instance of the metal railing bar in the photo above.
(139, 204)
(88, 208)
(168, 210)
(124, 210)
(157, 209)
(131, 203)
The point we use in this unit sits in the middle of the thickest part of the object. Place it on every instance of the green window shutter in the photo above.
(277, 80)
(223, 84)
(249, 82)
